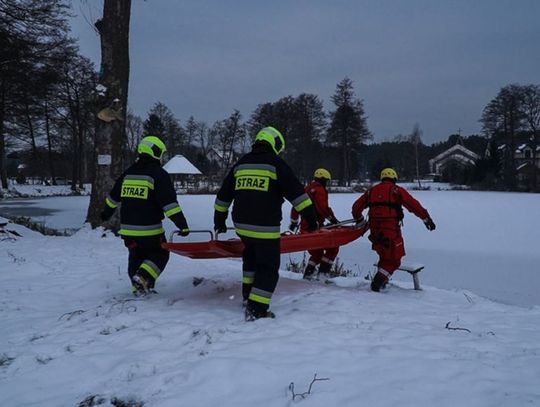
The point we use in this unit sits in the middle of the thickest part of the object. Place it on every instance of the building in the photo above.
(184, 174)
(457, 155)
(527, 157)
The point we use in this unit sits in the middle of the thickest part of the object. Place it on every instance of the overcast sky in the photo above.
(436, 63)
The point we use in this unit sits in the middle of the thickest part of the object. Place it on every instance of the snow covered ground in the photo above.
(485, 242)
(35, 190)
(72, 334)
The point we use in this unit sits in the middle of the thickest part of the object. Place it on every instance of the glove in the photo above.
(219, 222)
(310, 216)
(293, 227)
(106, 214)
(313, 225)
(429, 224)
(181, 224)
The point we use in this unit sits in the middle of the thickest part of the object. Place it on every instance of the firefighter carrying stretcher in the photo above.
(145, 194)
(257, 184)
(385, 202)
(316, 190)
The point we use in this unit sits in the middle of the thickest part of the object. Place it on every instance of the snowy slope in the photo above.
(71, 332)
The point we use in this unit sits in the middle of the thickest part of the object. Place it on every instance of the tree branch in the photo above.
(456, 329)
(306, 393)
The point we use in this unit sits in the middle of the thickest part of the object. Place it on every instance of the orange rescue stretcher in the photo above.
(325, 237)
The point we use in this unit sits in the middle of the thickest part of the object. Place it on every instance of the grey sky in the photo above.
(436, 63)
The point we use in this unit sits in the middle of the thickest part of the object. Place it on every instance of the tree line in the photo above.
(50, 93)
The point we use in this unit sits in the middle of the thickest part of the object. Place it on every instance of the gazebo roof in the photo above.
(180, 165)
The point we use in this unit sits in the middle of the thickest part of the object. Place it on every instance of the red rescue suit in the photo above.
(319, 196)
(385, 201)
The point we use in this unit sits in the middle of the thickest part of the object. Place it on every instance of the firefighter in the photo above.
(316, 190)
(385, 202)
(257, 184)
(145, 194)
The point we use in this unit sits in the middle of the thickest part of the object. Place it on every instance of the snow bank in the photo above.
(35, 190)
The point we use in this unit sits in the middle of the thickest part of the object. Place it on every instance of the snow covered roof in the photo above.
(180, 165)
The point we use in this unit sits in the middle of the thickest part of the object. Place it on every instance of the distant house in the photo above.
(525, 154)
(457, 154)
(528, 165)
(183, 173)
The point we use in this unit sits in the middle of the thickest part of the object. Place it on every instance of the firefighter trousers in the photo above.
(323, 256)
(147, 258)
(260, 267)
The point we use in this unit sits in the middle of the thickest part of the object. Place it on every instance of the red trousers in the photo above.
(387, 241)
(323, 255)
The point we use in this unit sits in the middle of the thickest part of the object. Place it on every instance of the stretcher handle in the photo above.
(343, 222)
(228, 228)
(177, 232)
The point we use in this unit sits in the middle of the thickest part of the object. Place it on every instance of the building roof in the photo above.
(458, 153)
(180, 165)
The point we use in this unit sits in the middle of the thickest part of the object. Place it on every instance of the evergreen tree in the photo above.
(162, 123)
(302, 122)
(348, 128)
(502, 119)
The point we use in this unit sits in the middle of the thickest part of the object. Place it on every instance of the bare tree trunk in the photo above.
(114, 76)
(74, 153)
(346, 169)
(3, 169)
(49, 143)
(30, 127)
(534, 156)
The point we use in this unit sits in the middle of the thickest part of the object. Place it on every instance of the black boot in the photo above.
(251, 314)
(324, 269)
(378, 282)
(309, 271)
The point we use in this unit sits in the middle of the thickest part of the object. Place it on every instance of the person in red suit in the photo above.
(385, 202)
(316, 190)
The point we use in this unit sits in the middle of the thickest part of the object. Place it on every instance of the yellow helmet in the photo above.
(389, 173)
(273, 137)
(152, 146)
(322, 173)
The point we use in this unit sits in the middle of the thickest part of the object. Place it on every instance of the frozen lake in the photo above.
(485, 242)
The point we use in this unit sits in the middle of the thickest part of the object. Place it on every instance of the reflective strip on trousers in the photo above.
(257, 232)
(151, 268)
(327, 260)
(260, 296)
(171, 209)
(248, 277)
(384, 272)
(138, 230)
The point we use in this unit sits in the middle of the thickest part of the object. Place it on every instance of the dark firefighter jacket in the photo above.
(257, 183)
(145, 194)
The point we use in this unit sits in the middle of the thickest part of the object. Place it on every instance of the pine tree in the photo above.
(348, 128)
